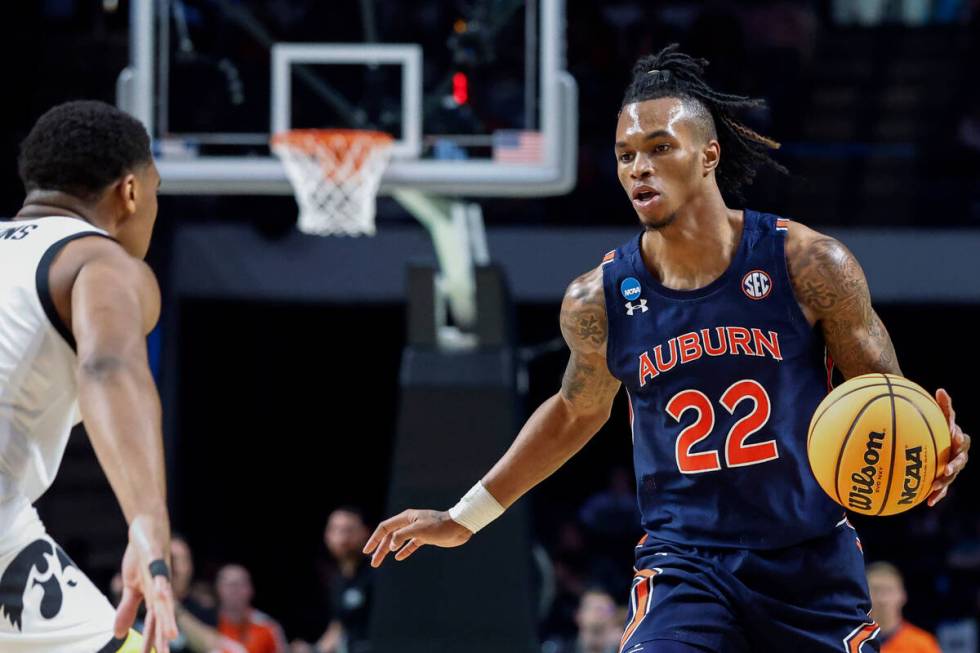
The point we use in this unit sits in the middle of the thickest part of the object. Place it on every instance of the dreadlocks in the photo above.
(670, 73)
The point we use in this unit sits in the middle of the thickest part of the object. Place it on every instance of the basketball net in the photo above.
(335, 174)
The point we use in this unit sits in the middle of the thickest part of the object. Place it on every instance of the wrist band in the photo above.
(476, 509)
(159, 568)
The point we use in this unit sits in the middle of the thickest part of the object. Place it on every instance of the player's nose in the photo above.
(642, 167)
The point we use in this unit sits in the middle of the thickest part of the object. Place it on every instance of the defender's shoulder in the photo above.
(95, 249)
(97, 264)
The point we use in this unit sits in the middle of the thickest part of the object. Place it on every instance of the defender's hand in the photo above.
(408, 531)
(958, 452)
(139, 585)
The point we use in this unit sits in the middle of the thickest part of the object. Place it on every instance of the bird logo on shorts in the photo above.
(34, 567)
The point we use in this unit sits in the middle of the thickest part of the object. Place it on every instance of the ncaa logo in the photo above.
(630, 288)
(756, 284)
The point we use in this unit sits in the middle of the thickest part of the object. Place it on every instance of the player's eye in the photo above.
(626, 157)
(662, 147)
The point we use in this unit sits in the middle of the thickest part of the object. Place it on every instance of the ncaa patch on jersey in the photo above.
(757, 284)
(630, 288)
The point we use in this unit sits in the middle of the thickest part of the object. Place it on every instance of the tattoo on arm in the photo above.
(831, 286)
(587, 384)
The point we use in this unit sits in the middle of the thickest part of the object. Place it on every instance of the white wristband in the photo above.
(476, 509)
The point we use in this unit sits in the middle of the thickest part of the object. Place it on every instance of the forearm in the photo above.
(200, 637)
(122, 415)
(552, 435)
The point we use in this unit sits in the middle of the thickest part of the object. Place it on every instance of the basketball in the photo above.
(876, 443)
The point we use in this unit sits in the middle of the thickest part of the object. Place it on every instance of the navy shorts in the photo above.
(808, 598)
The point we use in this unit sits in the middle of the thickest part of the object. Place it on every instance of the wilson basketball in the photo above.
(876, 443)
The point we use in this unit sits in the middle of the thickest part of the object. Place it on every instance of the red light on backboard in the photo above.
(461, 88)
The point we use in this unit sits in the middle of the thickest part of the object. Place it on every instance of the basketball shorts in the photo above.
(47, 605)
(808, 598)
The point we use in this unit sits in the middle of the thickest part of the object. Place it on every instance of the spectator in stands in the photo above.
(599, 626)
(196, 619)
(238, 620)
(887, 599)
(348, 585)
(570, 560)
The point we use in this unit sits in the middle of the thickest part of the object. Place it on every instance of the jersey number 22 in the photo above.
(737, 453)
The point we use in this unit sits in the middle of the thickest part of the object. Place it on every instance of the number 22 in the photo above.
(737, 453)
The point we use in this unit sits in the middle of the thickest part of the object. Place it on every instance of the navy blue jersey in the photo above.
(722, 382)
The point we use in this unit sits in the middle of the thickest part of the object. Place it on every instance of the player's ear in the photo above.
(710, 156)
(128, 191)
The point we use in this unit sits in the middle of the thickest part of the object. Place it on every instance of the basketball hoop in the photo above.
(335, 174)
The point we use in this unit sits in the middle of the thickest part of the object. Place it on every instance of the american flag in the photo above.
(515, 146)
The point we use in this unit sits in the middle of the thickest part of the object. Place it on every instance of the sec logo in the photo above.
(630, 288)
(756, 284)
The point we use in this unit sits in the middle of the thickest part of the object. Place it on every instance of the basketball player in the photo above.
(716, 322)
(76, 304)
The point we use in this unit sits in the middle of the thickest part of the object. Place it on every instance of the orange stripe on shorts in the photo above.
(642, 589)
(858, 638)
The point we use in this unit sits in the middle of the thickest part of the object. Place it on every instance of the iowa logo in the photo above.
(41, 564)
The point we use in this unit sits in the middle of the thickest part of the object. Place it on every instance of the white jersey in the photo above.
(47, 605)
(38, 390)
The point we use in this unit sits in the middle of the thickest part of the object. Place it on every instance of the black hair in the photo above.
(81, 147)
(670, 73)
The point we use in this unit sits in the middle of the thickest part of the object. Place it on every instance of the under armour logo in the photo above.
(641, 306)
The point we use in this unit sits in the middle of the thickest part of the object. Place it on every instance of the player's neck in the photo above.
(47, 203)
(697, 247)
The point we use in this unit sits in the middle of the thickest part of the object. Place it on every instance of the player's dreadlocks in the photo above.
(670, 73)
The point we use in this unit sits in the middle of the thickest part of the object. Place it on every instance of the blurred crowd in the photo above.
(583, 576)
(221, 617)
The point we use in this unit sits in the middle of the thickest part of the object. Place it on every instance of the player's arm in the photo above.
(114, 303)
(565, 422)
(557, 430)
(202, 638)
(832, 290)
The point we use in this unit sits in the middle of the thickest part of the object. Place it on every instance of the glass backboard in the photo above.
(474, 91)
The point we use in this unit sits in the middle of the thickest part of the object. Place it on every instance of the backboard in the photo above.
(475, 92)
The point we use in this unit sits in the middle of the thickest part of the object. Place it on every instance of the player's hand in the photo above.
(958, 452)
(139, 585)
(408, 531)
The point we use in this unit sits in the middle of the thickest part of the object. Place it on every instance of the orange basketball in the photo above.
(876, 443)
